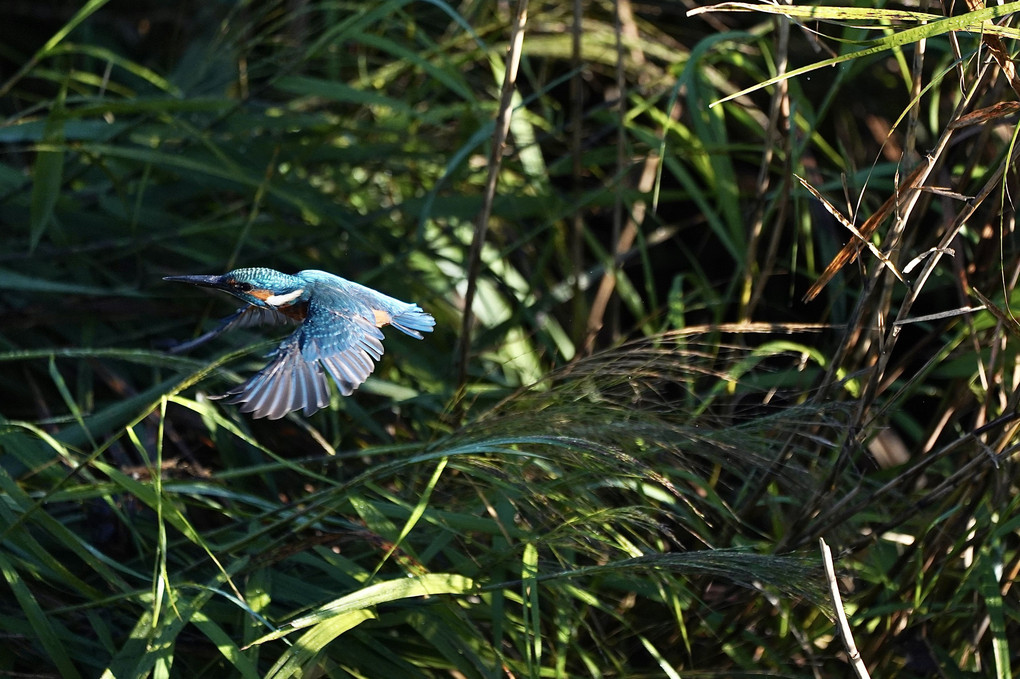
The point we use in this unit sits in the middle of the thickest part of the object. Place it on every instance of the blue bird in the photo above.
(339, 334)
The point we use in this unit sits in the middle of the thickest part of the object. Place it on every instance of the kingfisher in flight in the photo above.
(339, 334)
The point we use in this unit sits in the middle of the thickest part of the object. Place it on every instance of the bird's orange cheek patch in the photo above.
(261, 294)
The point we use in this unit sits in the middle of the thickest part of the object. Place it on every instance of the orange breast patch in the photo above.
(296, 311)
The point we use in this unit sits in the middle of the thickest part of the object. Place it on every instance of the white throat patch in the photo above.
(280, 300)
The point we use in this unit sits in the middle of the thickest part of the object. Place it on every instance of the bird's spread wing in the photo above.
(242, 318)
(338, 339)
(410, 319)
(253, 315)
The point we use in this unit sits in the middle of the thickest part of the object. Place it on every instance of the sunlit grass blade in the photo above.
(426, 585)
(970, 22)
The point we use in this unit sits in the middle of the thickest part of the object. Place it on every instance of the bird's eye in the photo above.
(244, 287)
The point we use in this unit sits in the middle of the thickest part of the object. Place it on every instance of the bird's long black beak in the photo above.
(203, 281)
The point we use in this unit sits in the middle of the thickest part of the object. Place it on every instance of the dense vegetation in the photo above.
(636, 418)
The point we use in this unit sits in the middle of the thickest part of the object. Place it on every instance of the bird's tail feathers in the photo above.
(413, 321)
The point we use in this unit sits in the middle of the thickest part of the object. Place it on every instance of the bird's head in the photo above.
(258, 286)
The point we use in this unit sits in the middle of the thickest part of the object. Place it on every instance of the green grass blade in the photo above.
(38, 620)
(970, 22)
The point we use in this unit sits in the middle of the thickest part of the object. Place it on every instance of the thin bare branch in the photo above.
(513, 61)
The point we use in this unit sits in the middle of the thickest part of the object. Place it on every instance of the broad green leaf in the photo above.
(47, 177)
